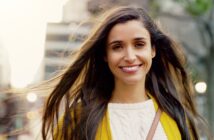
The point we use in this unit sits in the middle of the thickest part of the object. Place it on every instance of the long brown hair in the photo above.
(88, 82)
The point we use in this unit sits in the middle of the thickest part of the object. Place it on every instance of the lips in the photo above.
(130, 69)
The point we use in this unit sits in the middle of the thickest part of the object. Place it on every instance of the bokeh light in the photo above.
(31, 97)
(201, 87)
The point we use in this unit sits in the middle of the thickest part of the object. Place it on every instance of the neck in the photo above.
(124, 93)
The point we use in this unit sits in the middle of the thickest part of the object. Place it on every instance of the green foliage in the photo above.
(196, 7)
(154, 8)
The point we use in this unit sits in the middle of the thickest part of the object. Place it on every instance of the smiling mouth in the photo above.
(130, 69)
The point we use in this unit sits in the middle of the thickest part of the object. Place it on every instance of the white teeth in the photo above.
(130, 69)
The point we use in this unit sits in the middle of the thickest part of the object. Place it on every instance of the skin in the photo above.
(129, 57)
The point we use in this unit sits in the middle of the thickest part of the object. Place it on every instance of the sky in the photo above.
(22, 34)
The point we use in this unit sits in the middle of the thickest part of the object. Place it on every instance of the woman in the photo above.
(125, 71)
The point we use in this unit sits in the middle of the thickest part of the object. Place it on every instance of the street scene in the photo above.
(40, 41)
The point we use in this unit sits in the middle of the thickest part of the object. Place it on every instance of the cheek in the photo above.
(146, 58)
(113, 62)
(112, 58)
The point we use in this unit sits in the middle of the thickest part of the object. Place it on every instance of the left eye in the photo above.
(139, 45)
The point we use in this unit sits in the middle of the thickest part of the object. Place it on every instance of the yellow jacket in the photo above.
(104, 132)
(170, 127)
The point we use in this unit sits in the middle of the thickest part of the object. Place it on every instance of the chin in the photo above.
(132, 81)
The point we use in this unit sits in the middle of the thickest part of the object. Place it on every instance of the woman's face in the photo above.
(129, 52)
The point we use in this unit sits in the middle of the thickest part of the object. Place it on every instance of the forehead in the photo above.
(129, 30)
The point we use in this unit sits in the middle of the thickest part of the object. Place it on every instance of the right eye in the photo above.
(117, 47)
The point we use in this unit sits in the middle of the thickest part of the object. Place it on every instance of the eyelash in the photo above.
(139, 45)
(116, 47)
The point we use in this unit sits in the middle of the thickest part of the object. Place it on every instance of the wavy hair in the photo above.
(88, 83)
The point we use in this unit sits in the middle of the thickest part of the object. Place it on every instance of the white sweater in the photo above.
(133, 121)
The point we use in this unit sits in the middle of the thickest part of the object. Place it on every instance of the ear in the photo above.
(153, 51)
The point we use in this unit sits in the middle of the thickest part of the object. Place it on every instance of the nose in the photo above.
(130, 55)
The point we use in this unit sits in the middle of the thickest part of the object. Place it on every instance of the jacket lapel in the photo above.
(104, 131)
(169, 125)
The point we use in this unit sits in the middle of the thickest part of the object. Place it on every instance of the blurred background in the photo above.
(37, 36)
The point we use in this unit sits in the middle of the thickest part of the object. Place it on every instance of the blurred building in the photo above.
(75, 10)
(12, 116)
(61, 40)
(95, 6)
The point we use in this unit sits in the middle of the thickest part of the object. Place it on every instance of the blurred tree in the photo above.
(202, 13)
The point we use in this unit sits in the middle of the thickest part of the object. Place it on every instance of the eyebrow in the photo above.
(114, 42)
(119, 42)
(140, 38)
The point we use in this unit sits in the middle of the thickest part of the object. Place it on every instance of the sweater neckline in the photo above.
(138, 105)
